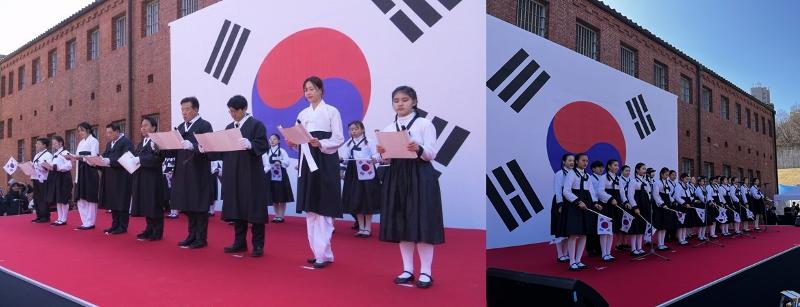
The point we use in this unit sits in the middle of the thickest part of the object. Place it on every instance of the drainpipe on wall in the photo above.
(699, 137)
(130, 70)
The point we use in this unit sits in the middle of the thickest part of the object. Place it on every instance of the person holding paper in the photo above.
(276, 159)
(191, 184)
(42, 158)
(411, 206)
(87, 180)
(59, 180)
(149, 189)
(245, 191)
(318, 182)
(361, 192)
(115, 185)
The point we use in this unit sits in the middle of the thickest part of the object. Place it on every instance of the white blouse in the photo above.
(755, 193)
(611, 181)
(598, 188)
(281, 156)
(638, 184)
(89, 144)
(60, 162)
(367, 149)
(324, 118)
(743, 193)
(558, 184)
(421, 132)
(574, 181)
(701, 194)
(660, 186)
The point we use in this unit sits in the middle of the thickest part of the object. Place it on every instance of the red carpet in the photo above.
(651, 281)
(121, 271)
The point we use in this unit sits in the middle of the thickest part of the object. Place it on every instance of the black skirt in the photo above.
(555, 218)
(88, 186)
(692, 219)
(643, 204)
(757, 206)
(576, 221)
(663, 218)
(320, 192)
(614, 212)
(360, 196)
(281, 190)
(411, 203)
(59, 187)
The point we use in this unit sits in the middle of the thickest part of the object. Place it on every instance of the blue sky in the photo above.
(744, 41)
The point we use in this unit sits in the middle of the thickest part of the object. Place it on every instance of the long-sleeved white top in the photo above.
(578, 180)
(599, 191)
(755, 193)
(731, 190)
(324, 118)
(660, 186)
(743, 193)
(558, 184)
(610, 181)
(280, 155)
(701, 193)
(60, 163)
(639, 183)
(421, 132)
(360, 148)
(712, 191)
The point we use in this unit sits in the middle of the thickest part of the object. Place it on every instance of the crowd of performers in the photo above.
(594, 204)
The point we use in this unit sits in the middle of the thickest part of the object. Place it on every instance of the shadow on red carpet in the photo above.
(118, 270)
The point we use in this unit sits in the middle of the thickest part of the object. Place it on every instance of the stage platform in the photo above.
(118, 270)
(690, 270)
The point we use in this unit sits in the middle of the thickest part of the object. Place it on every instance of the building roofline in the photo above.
(605, 7)
(53, 29)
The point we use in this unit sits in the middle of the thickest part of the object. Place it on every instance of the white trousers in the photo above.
(320, 230)
(63, 211)
(88, 212)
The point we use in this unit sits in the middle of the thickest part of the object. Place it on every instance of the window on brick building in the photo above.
(741, 173)
(150, 22)
(724, 106)
(3, 86)
(750, 173)
(707, 103)
(687, 166)
(739, 114)
(71, 54)
(186, 7)
(686, 89)
(10, 122)
(92, 44)
(726, 170)
(36, 68)
(10, 82)
(763, 125)
(627, 60)
(21, 150)
(758, 174)
(20, 78)
(2, 129)
(586, 41)
(770, 128)
(531, 16)
(708, 169)
(747, 117)
(118, 33)
(33, 146)
(121, 124)
(71, 140)
(52, 63)
(660, 75)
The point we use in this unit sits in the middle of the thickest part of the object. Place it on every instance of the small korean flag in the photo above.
(701, 213)
(276, 172)
(627, 221)
(603, 225)
(681, 217)
(736, 217)
(722, 218)
(366, 171)
(11, 166)
(750, 214)
(648, 232)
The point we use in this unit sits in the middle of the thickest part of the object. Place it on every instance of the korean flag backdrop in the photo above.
(544, 100)
(362, 50)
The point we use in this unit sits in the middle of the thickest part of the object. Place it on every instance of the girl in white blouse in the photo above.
(361, 191)
(277, 160)
(579, 195)
(567, 163)
(60, 180)
(87, 179)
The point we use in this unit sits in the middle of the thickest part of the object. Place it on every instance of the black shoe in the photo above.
(143, 236)
(321, 265)
(425, 284)
(154, 238)
(109, 230)
(118, 231)
(580, 266)
(562, 259)
(36, 219)
(84, 228)
(258, 252)
(235, 249)
(39, 221)
(198, 244)
(311, 260)
(186, 242)
(400, 280)
(277, 220)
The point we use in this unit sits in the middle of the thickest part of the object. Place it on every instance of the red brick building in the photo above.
(107, 63)
(722, 129)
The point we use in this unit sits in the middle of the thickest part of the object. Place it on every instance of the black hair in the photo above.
(565, 156)
(237, 102)
(663, 171)
(405, 89)
(316, 81)
(86, 127)
(609, 163)
(152, 122)
(58, 138)
(672, 171)
(193, 100)
(359, 124)
(639, 166)
(275, 135)
(44, 141)
(596, 164)
(622, 169)
(114, 127)
(580, 155)
(683, 175)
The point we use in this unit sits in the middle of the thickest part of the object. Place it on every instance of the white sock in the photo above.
(425, 252)
(560, 249)
(407, 253)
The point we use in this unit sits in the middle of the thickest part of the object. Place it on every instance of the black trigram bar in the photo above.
(422, 8)
(520, 79)
(452, 143)
(641, 120)
(217, 61)
(516, 201)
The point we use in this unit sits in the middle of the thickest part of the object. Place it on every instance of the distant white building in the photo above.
(761, 92)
